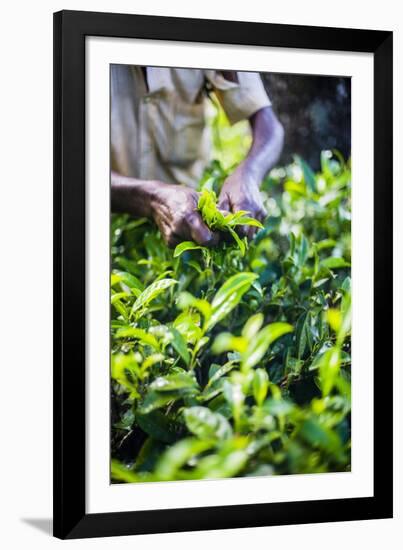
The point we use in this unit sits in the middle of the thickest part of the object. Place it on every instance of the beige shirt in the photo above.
(159, 131)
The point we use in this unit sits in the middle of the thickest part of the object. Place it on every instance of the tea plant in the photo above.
(235, 360)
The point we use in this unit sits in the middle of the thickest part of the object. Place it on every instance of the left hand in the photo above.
(241, 192)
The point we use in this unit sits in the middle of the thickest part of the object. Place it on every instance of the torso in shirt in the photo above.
(158, 126)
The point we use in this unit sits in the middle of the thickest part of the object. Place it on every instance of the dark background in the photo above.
(315, 112)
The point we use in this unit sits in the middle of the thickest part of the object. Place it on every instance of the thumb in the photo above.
(223, 202)
(199, 231)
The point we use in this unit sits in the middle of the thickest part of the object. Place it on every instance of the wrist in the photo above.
(154, 196)
(248, 174)
(130, 195)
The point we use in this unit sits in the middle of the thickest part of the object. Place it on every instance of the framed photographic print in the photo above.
(223, 260)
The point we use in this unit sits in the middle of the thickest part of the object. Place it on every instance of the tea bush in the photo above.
(235, 360)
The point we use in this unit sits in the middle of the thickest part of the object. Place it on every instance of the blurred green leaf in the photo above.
(228, 342)
(252, 326)
(234, 395)
(178, 455)
(260, 385)
(303, 334)
(334, 263)
(319, 436)
(186, 245)
(260, 344)
(128, 279)
(329, 369)
(206, 424)
(152, 292)
(229, 296)
(179, 343)
(309, 176)
(175, 381)
(159, 426)
(218, 372)
(156, 400)
(138, 334)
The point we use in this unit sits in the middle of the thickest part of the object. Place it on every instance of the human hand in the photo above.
(240, 191)
(174, 210)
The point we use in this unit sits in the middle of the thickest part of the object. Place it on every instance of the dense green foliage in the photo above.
(235, 361)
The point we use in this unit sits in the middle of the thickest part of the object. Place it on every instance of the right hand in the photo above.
(174, 209)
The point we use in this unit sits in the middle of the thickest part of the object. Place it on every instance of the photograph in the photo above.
(201, 298)
(230, 265)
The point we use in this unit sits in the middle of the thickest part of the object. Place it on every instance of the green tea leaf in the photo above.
(188, 325)
(252, 326)
(228, 342)
(171, 382)
(329, 369)
(151, 292)
(232, 390)
(126, 278)
(229, 296)
(225, 465)
(320, 436)
(179, 344)
(278, 407)
(241, 244)
(216, 220)
(247, 220)
(260, 385)
(119, 472)
(334, 263)
(159, 426)
(120, 308)
(186, 245)
(261, 343)
(219, 372)
(206, 424)
(303, 251)
(138, 334)
(303, 335)
(186, 300)
(309, 176)
(156, 400)
(178, 455)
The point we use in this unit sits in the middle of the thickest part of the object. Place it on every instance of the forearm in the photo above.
(240, 190)
(267, 144)
(132, 196)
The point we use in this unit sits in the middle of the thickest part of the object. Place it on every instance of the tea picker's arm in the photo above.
(241, 189)
(172, 207)
(267, 144)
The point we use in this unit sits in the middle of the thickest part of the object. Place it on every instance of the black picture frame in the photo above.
(70, 517)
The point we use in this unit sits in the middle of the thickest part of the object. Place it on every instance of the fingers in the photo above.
(199, 231)
(250, 231)
(223, 203)
(170, 237)
(261, 214)
(246, 231)
(191, 227)
(224, 206)
(173, 240)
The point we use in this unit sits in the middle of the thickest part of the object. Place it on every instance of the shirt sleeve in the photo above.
(240, 100)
